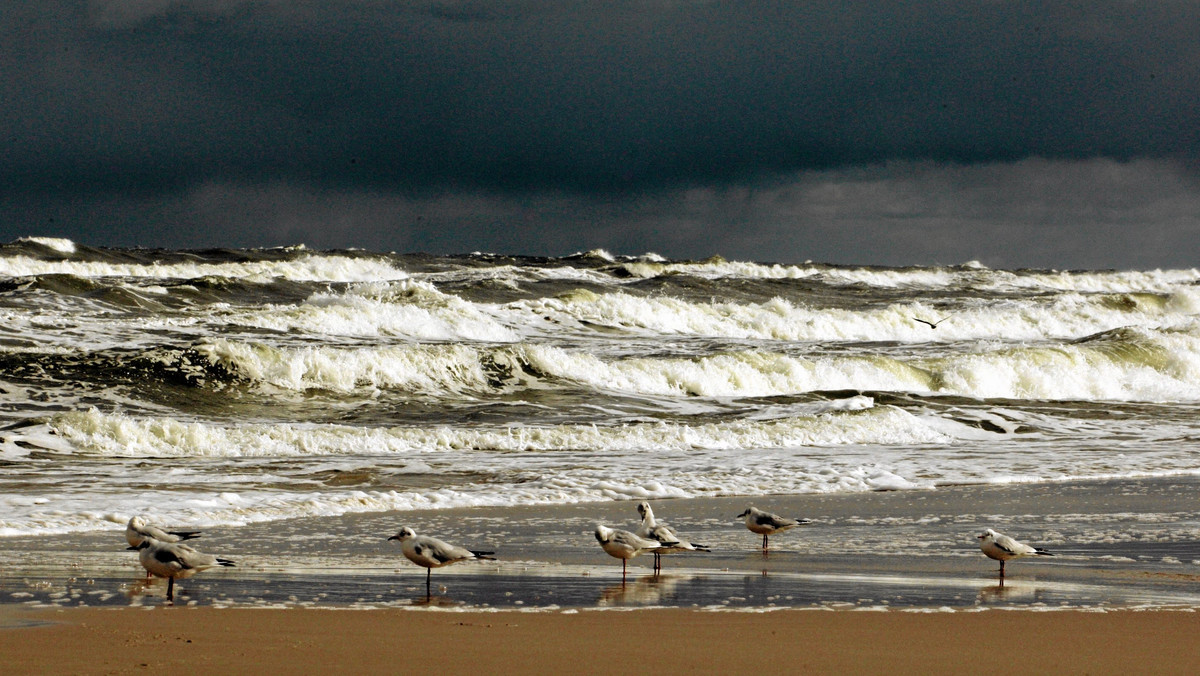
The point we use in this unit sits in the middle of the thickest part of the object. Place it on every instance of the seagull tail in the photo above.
(225, 562)
(185, 534)
(1041, 552)
(487, 556)
(701, 548)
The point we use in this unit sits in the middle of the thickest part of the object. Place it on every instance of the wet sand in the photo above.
(210, 640)
(1130, 544)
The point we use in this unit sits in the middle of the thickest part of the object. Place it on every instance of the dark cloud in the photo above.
(1034, 213)
(343, 122)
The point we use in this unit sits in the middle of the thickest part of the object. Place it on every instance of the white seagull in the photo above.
(766, 523)
(1002, 548)
(664, 534)
(430, 552)
(172, 560)
(625, 545)
(137, 530)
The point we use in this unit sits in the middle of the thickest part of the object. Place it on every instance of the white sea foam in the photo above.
(437, 370)
(310, 267)
(64, 246)
(970, 275)
(406, 308)
(1130, 365)
(849, 447)
(94, 433)
(1068, 315)
(509, 275)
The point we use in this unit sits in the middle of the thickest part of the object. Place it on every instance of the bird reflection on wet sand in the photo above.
(645, 590)
(1001, 592)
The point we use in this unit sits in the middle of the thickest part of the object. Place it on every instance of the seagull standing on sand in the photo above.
(137, 530)
(624, 545)
(664, 534)
(766, 523)
(172, 561)
(1002, 548)
(430, 552)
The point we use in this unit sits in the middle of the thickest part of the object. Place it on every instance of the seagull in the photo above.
(430, 552)
(663, 534)
(138, 530)
(172, 560)
(766, 523)
(932, 325)
(625, 545)
(1002, 548)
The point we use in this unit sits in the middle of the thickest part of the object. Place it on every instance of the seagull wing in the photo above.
(661, 533)
(628, 539)
(1013, 547)
(167, 556)
(444, 552)
(774, 521)
(185, 534)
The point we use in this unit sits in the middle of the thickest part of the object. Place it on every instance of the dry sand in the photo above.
(232, 641)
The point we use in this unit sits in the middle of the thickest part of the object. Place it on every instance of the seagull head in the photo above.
(643, 508)
(137, 522)
(603, 533)
(745, 513)
(405, 533)
(989, 533)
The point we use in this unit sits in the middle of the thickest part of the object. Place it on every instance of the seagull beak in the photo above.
(394, 538)
(131, 549)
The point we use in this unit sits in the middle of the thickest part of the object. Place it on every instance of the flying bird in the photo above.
(766, 523)
(624, 545)
(1002, 548)
(663, 534)
(430, 552)
(174, 561)
(932, 325)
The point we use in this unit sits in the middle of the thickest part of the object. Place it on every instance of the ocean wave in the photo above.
(95, 433)
(405, 308)
(1125, 364)
(967, 276)
(305, 267)
(55, 244)
(1066, 315)
(433, 370)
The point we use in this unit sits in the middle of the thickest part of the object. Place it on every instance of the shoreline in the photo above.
(670, 640)
(1131, 543)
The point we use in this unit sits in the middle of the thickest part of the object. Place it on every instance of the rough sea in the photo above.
(227, 387)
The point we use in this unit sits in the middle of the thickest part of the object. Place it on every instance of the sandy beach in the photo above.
(194, 640)
(880, 581)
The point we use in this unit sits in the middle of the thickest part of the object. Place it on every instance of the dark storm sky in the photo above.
(1047, 134)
